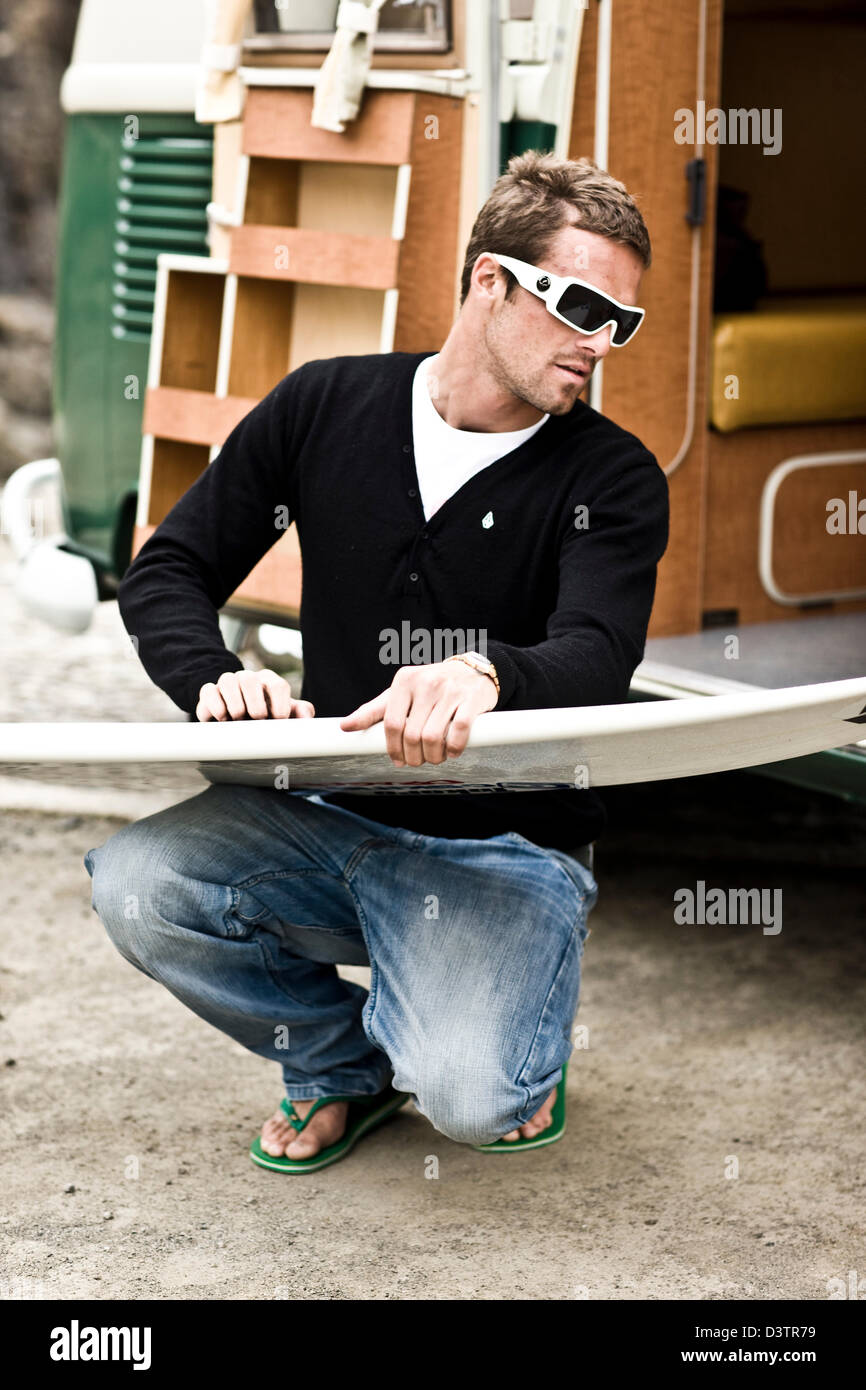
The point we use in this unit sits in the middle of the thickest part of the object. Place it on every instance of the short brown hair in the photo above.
(537, 196)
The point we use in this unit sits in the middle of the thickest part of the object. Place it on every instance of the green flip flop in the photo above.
(365, 1113)
(554, 1131)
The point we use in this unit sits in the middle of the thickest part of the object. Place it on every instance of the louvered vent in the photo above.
(163, 189)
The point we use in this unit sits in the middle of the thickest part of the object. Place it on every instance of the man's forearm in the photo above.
(205, 547)
(595, 638)
(173, 623)
(579, 668)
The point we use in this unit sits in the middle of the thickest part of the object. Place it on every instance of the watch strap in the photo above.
(478, 663)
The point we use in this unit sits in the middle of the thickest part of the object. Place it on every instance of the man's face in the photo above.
(535, 356)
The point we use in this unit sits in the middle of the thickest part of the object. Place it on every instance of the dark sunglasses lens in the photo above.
(586, 309)
(583, 308)
(626, 326)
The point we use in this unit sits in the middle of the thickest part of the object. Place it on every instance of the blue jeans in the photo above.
(242, 900)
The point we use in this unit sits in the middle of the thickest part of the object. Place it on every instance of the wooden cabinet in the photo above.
(329, 245)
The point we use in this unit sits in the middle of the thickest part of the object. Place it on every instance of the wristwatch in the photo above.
(478, 663)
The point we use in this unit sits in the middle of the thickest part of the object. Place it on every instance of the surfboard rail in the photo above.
(575, 747)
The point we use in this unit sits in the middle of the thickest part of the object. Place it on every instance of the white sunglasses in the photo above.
(573, 301)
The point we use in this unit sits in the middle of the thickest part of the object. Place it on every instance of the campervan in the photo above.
(200, 137)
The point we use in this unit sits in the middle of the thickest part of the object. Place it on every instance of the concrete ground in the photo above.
(715, 1116)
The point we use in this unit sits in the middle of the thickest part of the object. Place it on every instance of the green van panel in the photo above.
(131, 187)
(518, 136)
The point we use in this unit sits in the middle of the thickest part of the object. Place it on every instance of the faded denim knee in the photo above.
(465, 1099)
(145, 903)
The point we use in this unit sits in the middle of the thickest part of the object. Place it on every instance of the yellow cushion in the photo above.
(790, 361)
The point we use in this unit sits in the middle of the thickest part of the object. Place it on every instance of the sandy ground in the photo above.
(715, 1131)
(711, 1049)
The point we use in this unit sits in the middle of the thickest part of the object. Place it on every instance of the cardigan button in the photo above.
(413, 492)
(413, 576)
(407, 448)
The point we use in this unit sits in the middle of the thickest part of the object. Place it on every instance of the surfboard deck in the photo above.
(521, 750)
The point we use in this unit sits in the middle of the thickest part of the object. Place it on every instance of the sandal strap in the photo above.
(295, 1119)
(300, 1124)
(292, 1115)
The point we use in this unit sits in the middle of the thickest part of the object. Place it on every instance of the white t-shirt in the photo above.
(446, 458)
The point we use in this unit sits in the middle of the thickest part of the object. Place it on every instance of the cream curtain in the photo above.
(340, 83)
(220, 92)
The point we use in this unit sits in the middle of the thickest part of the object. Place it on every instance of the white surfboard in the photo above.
(523, 750)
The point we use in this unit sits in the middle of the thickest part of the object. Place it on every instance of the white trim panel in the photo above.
(145, 474)
(227, 328)
(449, 82)
(401, 201)
(123, 87)
(389, 321)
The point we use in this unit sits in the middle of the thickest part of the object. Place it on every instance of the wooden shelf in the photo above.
(277, 126)
(189, 341)
(315, 258)
(174, 468)
(329, 322)
(332, 245)
(269, 191)
(193, 417)
(259, 336)
(301, 193)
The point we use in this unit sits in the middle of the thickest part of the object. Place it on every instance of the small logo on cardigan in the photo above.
(487, 521)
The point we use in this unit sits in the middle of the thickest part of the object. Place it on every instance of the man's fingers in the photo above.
(366, 714)
(283, 705)
(229, 687)
(424, 707)
(253, 694)
(210, 704)
(458, 732)
(397, 706)
(427, 712)
(435, 732)
(391, 707)
(252, 688)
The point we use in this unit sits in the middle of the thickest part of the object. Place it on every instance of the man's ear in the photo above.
(486, 273)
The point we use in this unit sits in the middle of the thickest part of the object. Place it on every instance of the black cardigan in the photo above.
(546, 559)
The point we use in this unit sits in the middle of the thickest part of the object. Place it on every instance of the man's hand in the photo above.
(427, 711)
(250, 695)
